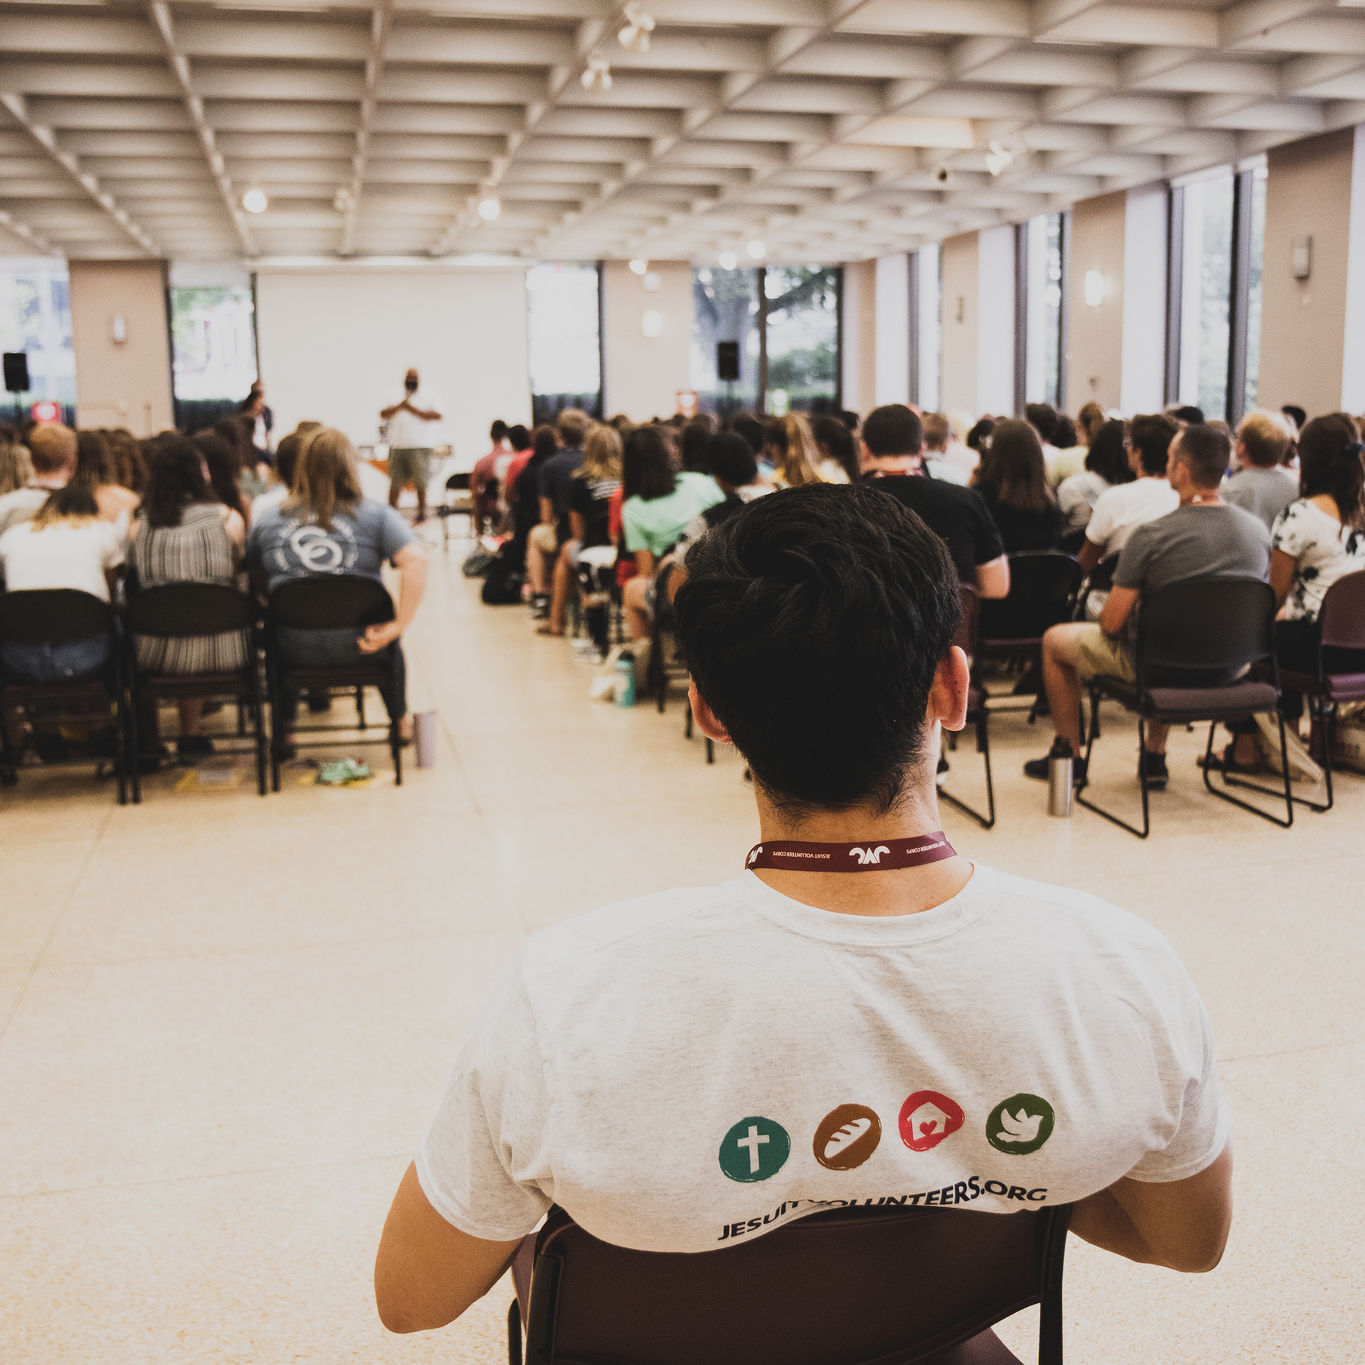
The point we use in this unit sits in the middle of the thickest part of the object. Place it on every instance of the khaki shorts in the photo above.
(1101, 656)
(410, 465)
(545, 539)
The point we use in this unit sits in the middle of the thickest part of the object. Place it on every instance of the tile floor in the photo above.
(224, 1020)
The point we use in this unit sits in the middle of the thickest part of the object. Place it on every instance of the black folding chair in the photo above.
(347, 602)
(857, 1286)
(53, 616)
(1341, 625)
(459, 503)
(967, 639)
(179, 611)
(1192, 638)
(1042, 594)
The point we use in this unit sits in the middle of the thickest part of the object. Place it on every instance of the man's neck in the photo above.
(896, 464)
(49, 482)
(875, 894)
(1200, 497)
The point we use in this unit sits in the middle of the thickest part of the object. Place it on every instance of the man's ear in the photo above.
(706, 717)
(948, 695)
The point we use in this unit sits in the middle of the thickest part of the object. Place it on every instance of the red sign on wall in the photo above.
(45, 410)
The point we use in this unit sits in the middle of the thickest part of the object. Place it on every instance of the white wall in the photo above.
(334, 343)
(1142, 384)
(641, 375)
(893, 329)
(995, 320)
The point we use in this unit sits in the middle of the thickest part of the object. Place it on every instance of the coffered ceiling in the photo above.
(821, 129)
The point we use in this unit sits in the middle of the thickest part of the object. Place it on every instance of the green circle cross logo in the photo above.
(1020, 1124)
(754, 1149)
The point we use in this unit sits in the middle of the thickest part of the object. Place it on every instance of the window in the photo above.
(1042, 240)
(785, 320)
(213, 342)
(725, 307)
(35, 318)
(802, 315)
(565, 334)
(928, 325)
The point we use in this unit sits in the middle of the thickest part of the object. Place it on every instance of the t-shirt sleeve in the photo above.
(1101, 525)
(580, 497)
(394, 533)
(1185, 1057)
(987, 543)
(631, 529)
(1291, 533)
(483, 1163)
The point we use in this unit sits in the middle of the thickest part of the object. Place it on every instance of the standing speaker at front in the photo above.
(16, 371)
(727, 361)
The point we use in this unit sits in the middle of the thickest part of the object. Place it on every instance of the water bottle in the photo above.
(1060, 768)
(625, 680)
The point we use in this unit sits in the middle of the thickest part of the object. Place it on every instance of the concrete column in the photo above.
(893, 329)
(958, 387)
(995, 262)
(860, 322)
(1094, 355)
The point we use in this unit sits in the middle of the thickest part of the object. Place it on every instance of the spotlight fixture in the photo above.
(596, 77)
(756, 250)
(639, 267)
(727, 260)
(342, 200)
(634, 37)
(490, 208)
(998, 158)
(254, 201)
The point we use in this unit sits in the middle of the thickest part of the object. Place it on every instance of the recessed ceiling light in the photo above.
(254, 201)
(638, 266)
(489, 209)
(756, 249)
(728, 260)
(596, 77)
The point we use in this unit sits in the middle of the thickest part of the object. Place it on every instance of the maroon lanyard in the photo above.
(877, 855)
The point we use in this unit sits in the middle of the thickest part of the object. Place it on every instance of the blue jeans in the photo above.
(324, 648)
(70, 661)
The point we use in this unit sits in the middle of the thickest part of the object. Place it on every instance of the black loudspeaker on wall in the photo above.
(16, 372)
(727, 361)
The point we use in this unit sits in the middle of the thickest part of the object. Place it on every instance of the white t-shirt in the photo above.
(1322, 549)
(1077, 495)
(62, 555)
(22, 505)
(701, 1066)
(407, 432)
(1126, 506)
(938, 466)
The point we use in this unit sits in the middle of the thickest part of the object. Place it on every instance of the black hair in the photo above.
(747, 426)
(1107, 456)
(837, 439)
(980, 433)
(1189, 414)
(1205, 452)
(893, 430)
(544, 442)
(497, 433)
(518, 437)
(176, 479)
(813, 622)
(647, 465)
(1043, 418)
(1329, 462)
(1297, 413)
(1064, 435)
(730, 460)
(1151, 436)
(696, 437)
(225, 467)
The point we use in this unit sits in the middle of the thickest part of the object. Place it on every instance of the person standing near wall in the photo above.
(410, 444)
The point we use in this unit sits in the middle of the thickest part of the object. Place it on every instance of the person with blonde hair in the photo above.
(326, 525)
(97, 470)
(16, 468)
(791, 450)
(590, 492)
(52, 452)
(1089, 421)
(1259, 483)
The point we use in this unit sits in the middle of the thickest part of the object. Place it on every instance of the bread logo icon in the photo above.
(846, 1137)
(928, 1117)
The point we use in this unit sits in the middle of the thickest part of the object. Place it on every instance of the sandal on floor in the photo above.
(548, 629)
(1226, 762)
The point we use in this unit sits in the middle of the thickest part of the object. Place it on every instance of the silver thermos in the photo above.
(1059, 789)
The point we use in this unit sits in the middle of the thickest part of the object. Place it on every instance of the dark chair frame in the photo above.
(187, 610)
(338, 601)
(905, 1284)
(457, 483)
(1341, 625)
(978, 716)
(1200, 624)
(27, 617)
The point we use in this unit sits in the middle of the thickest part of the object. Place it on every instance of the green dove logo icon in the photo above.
(1020, 1124)
(1020, 1127)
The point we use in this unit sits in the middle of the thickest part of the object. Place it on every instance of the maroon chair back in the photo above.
(1342, 618)
(856, 1286)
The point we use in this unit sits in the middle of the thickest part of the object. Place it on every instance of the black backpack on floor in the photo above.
(503, 578)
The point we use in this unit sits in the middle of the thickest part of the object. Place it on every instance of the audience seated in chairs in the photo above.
(837, 448)
(1259, 483)
(1012, 481)
(96, 470)
(488, 478)
(1106, 466)
(16, 466)
(553, 485)
(66, 544)
(1318, 539)
(696, 436)
(525, 492)
(130, 465)
(1202, 538)
(52, 453)
(286, 460)
(790, 450)
(327, 526)
(943, 458)
(658, 504)
(184, 534)
(735, 471)
(891, 439)
(590, 493)
(223, 461)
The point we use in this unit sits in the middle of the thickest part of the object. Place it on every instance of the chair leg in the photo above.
(1225, 795)
(396, 748)
(258, 719)
(1142, 777)
(126, 742)
(276, 734)
(514, 1334)
(983, 744)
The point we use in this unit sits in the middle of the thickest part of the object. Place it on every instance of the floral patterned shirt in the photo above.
(1322, 549)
